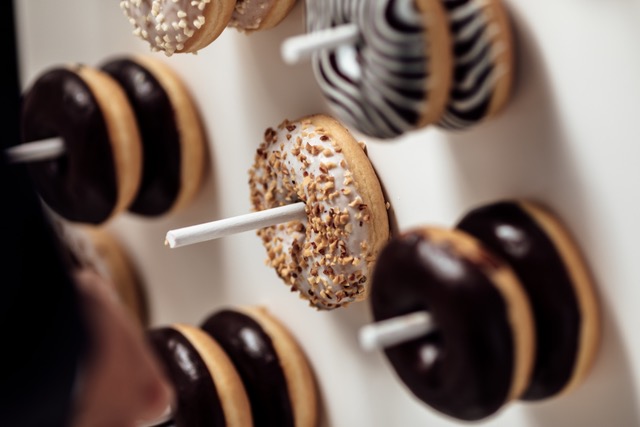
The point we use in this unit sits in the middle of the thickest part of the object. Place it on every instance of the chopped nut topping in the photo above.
(322, 256)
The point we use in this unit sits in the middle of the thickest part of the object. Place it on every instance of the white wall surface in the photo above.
(569, 138)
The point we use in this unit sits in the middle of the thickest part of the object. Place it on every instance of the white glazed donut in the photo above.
(328, 257)
(254, 15)
(174, 26)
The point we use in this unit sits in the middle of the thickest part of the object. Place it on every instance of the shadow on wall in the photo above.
(278, 81)
(172, 282)
(524, 153)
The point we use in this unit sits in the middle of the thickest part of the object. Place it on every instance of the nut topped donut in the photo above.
(558, 284)
(172, 134)
(483, 61)
(254, 15)
(480, 355)
(328, 257)
(174, 26)
(99, 173)
(397, 76)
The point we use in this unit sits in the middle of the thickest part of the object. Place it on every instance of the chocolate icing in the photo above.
(198, 402)
(252, 352)
(81, 185)
(471, 374)
(508, 230)
(159, 134)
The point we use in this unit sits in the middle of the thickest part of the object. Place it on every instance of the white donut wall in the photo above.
(569, 138)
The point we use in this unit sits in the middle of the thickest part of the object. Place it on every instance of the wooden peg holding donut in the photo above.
(320, 209)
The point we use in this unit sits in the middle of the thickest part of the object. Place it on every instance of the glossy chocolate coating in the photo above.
(465, 368)
(81, 185)
(159, 133)
(198, 402)
(252, 352)
(508, 230)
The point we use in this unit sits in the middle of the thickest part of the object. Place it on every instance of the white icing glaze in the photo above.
(327, 257)
(249, 14)
(165, 24)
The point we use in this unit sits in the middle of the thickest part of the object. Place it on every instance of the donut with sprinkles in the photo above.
(175, 26)
(328, 257)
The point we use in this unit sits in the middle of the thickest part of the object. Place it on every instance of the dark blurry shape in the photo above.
(10, 86)
(43, 337)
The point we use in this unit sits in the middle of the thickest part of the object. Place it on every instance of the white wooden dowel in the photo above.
(396, 330)
(295, 49)
(45, 149)
(226, 227)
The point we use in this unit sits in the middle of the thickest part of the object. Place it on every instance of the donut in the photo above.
(99, 174)
(176, 26)
(255, 15)
(122, 273)
(98, 250)
(403, 64)
(273, 367)
(483, 52)
(545, 258)
(209, 391)
(481, 354)
(316, 160)
(173, 140)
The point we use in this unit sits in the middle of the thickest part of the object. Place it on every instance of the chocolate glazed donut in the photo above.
(564, 309)
(99, 172)
(479, 357)
(198, 400)
(159, 133)
(252, 352)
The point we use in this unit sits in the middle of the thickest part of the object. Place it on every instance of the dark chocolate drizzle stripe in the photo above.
(388, 97)
(508, 230)
(252, 352)
(470, 374)
(198, 401)
(155, 115)
(80, 185)
(475, 70)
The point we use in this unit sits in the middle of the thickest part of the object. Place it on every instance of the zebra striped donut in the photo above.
(483, 55)
(397, 75)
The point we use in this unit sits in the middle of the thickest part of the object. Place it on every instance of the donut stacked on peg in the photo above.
(128, 138)
(97, 249)
(392, 66)
(241, 367)
(184, 26)
(500, 308)
(319, 210)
